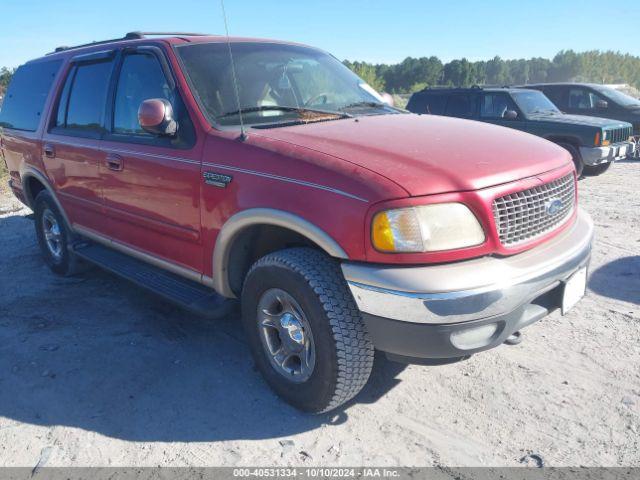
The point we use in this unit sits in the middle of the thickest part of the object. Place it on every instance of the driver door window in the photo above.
(141, 78)
(495, 105)
(581, 99)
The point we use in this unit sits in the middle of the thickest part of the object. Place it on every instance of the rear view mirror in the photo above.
(156, 117)
(510, 115)
(602, 104)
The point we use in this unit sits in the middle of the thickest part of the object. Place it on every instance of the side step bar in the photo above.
(188, 294)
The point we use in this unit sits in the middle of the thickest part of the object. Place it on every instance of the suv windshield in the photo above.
(533, 102)
(276, 83)
(618, 97)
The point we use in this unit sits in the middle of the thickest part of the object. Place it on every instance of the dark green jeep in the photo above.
(593, 142)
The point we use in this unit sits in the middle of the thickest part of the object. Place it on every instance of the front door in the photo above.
(151, 184)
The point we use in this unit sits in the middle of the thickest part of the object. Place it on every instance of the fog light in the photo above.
(475, 337)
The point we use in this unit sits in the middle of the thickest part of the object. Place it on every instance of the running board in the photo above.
(188, 294)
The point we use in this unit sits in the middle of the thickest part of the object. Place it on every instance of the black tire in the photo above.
(65, 263)
(343, 350)
(577, 158)
(595, 170)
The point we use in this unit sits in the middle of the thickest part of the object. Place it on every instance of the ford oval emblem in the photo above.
(553, 206)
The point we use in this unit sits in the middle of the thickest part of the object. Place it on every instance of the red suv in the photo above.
(211, 169)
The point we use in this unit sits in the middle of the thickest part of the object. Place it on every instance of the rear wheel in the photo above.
(305, 331)
(53, 235)
(577, 158)
(595, 170)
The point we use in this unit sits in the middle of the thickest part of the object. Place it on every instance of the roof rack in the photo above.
(129, 36)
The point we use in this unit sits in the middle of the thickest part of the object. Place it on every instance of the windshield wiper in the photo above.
(268, 108)
(363, 104)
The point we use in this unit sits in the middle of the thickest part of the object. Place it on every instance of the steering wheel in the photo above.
(317, 97)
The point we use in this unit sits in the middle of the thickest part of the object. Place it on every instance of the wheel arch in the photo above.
(233, 249)
(33, 182)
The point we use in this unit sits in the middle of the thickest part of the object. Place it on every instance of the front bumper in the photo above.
(597, 155)
(412, 312)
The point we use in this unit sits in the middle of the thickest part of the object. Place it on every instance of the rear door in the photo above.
(71, 144)
(151, 184)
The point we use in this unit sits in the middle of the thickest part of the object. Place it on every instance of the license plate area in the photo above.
(574, 289)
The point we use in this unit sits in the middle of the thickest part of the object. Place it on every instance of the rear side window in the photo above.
(84, 97)
(427, 103)
(463, 106)
(25, 100)
(555, 95)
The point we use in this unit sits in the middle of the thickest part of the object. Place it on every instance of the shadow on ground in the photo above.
(97, 353)
(618, 279)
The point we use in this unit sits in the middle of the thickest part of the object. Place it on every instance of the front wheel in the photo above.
(305, 331)
(595, 170)
(577, 158)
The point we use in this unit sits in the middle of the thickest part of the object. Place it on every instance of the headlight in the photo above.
(426, 228)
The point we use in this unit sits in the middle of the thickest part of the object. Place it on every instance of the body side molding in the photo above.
(263, 216)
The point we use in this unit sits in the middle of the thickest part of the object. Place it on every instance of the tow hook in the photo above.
(514, 339)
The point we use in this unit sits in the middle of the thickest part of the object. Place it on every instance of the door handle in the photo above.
(49, 150)
(115, 162)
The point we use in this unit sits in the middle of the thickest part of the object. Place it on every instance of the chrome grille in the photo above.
(526, 215)
(618, 135)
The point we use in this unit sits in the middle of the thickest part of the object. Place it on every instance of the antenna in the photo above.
(243, 132)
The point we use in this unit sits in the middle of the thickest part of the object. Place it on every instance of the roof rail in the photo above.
(129, 36)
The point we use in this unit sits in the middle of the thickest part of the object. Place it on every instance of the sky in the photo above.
(374, 31)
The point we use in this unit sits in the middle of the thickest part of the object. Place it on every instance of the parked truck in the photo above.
(281, 181)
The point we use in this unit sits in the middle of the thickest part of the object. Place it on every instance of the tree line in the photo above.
(413, 74)
(5, 78)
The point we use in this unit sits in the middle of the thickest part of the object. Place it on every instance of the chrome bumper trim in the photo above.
(597, 155)
(473, 289)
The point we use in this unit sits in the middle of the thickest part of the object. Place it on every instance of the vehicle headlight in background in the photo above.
(426, 228)
(605, 138)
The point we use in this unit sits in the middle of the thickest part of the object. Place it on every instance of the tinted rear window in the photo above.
(88, 96)
(460, 105)
(24, 103)
(427, 103)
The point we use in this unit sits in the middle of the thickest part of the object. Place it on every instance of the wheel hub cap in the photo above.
(52, 234)
(286, 335)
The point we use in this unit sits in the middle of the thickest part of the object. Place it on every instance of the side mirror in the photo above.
(602, 104)
(156, 117)
(510, 115)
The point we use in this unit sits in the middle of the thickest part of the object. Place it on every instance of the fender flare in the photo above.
(263, 216)
(30, 172)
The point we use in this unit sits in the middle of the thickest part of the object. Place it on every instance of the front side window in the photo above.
(83, 99)
(27, 94)
(141, 78)
(495, 105)
(583, 99)
(275, 83)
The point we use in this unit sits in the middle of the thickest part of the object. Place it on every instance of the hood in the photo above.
(584, 120)
(427, 154)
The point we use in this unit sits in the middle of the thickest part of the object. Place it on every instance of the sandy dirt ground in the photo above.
(97, 372)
